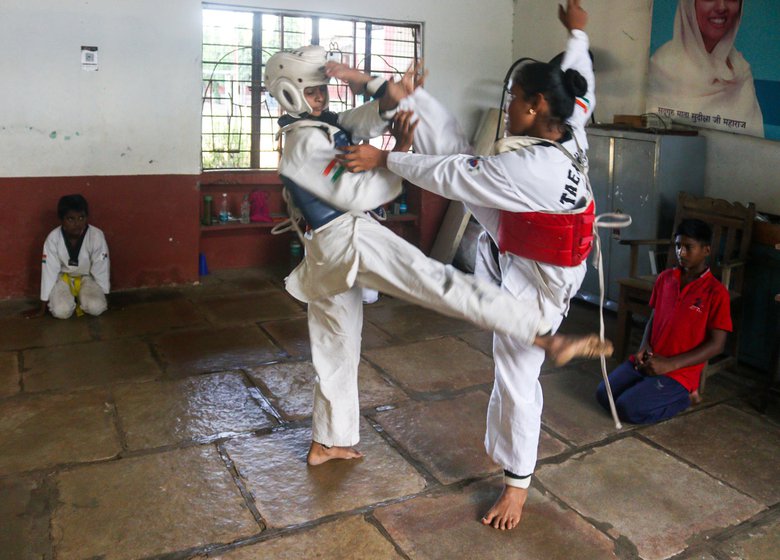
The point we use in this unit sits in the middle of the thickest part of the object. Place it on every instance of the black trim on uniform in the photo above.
(515, 476)
(73, 252)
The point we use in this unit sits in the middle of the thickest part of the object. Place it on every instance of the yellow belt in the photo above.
(74, 283)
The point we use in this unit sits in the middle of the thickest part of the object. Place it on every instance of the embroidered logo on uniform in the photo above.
(339, 169)
(474, 164)
(44, 259)
(696, 306)
(582, 103)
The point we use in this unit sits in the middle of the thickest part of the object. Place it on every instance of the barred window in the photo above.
(239, 117)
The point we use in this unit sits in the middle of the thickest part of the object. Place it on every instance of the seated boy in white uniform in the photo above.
(75, 271)
(347, 250)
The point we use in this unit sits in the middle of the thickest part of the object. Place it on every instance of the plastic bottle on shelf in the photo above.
(402, 207)
(296, 253)
(245, 208)
(224, 213)
(206, 210)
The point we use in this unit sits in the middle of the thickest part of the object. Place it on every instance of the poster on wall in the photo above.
(714, 64)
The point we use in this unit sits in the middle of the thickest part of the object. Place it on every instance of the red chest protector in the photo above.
(563, 239)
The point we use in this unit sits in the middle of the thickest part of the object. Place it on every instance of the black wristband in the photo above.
(380, 91)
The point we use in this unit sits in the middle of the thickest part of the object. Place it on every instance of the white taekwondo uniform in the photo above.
(538, 177)
(354, 251)
(93, 270)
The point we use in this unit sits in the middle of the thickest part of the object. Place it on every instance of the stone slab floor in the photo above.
(176, 425)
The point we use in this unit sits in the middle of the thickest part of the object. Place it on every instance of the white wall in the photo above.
(738, 168)
(140, 113)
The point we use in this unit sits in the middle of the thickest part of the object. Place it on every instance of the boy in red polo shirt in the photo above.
(690, 321)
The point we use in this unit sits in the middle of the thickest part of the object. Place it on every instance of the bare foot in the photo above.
(695, 398)
(505, 513)
(563, 348)
(319, 454)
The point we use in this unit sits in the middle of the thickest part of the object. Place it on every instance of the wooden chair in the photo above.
(732, 225)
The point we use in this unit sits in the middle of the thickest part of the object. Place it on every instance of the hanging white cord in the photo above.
(292, 222)
(611, 221)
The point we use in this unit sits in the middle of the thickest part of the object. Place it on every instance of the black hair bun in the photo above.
(575, 83)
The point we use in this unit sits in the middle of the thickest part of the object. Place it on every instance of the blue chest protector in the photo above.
(315, 211)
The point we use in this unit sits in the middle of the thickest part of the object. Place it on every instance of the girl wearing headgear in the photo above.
(533, 199)
(346, 249)
(701, 74)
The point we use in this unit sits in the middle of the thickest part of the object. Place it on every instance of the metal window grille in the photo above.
(239, 117)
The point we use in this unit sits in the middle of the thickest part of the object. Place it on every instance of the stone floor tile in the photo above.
(550, 446)
(148, 318)
(9, 374)
(697, 556)
(410, 322)
(20, 333)
(289, 387)
(760, 542)
(374, 337)
(24, 520)
(292, 335)
(46, 430)
(641, 492)
(130, 298)
(215, 349)
(570, 407)
(88, 365)
(150, 505)
(748, 448)
(229, 282)
(289, 492)
(352, 538)
(446, 436)
(164, 413)
(15, 307)
(447, 526)
(481, 340)
(434, 365)
(719, 389)
(249, 307)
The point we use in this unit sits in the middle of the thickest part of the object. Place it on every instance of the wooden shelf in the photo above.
(237, 226)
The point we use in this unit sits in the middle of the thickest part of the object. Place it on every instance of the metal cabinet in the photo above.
(638, 173)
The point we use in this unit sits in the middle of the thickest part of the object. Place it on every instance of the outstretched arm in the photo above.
(577, 57)
(356, 79)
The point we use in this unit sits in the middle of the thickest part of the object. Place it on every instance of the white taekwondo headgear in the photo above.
(287, 73)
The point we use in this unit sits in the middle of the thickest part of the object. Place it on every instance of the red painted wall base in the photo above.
(150, 222)
(152, 225)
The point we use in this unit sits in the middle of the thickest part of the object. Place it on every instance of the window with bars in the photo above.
(239, 117)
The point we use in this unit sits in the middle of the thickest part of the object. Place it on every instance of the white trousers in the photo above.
(91, 298)
(515, 408)
(394, 267)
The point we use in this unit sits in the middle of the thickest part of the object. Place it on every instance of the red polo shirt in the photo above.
(683, 318)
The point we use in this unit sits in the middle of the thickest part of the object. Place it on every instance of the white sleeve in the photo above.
(577, 58)
(309, 160)
(438, 131)
(100, 265)
(363, 122)
(50, 265)
(475, 181)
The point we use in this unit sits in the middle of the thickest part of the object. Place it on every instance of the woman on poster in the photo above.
(698, 77)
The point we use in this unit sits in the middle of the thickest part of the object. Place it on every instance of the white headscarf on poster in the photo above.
(707, 89)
